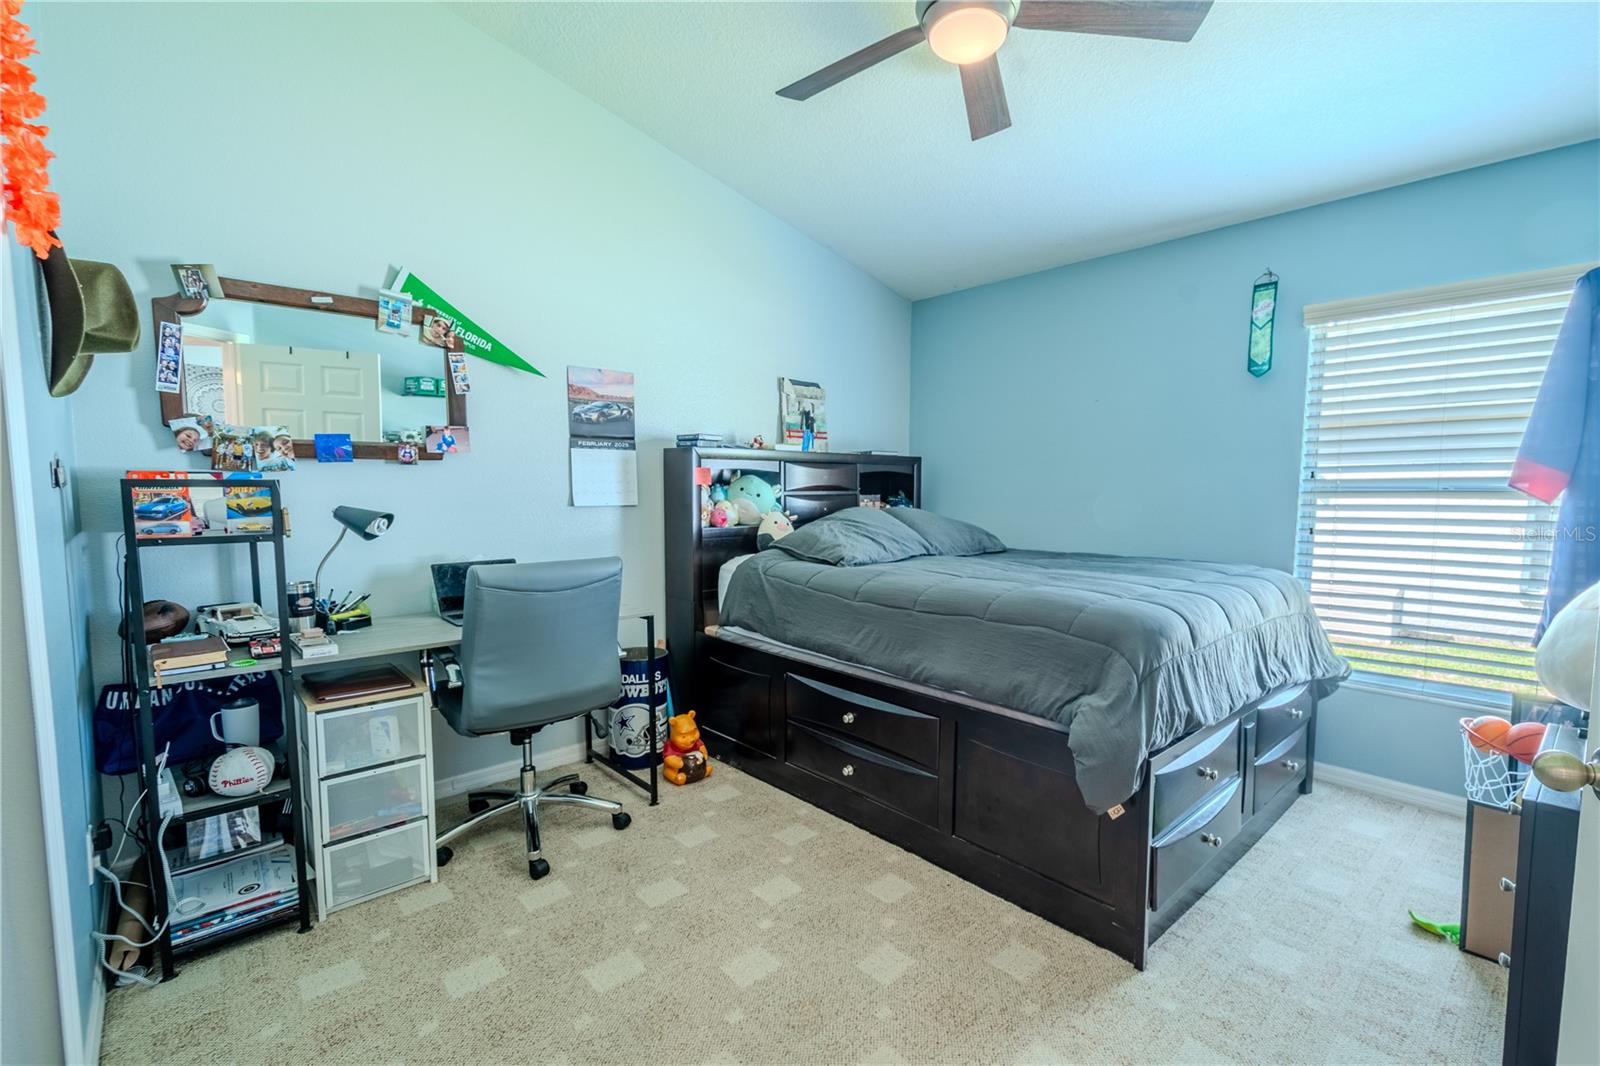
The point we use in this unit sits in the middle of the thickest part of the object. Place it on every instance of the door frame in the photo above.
(80, 1036)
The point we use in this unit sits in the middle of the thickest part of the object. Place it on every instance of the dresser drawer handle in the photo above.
(1504, 960)
(1291, 765)
(1507, 885)
(1296, 712)
(848, 718)
(848, 771)
(1212, 839)
(1206, 772)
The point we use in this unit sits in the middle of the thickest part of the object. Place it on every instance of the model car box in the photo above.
(161, 511)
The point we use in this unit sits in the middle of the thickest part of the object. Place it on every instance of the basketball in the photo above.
(1522, 741)
(1486, 732)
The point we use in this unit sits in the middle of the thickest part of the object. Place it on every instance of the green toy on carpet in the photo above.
(1450, 931)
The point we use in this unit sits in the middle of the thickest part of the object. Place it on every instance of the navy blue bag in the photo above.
(182, 717)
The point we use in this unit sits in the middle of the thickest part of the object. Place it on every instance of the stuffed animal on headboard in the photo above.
(775, 525)
(753, 497)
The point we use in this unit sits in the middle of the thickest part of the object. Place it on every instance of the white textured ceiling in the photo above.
(1115, 143)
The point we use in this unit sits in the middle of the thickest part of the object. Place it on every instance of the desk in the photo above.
(394, 635)
(403, 634)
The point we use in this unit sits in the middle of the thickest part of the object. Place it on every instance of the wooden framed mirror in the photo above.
(270, 355)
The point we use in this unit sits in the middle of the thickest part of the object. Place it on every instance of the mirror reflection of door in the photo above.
(307, 390)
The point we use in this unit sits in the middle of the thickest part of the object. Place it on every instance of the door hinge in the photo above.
(58, 473)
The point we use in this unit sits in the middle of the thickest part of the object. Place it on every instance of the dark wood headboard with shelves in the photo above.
(814, 484)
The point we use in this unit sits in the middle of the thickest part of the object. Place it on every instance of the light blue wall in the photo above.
(1122, 383)
(321, 145)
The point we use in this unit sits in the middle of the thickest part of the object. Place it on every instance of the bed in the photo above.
(1092, 737)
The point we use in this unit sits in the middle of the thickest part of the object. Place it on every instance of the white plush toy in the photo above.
(1568, 650)
(775, 525)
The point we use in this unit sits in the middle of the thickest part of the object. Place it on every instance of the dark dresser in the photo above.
(1546, 852)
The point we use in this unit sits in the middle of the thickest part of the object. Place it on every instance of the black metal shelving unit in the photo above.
(284, 790)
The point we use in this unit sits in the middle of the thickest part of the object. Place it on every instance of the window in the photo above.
(1428, 571)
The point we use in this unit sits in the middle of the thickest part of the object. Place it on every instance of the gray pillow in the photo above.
(855, 536)
(948, 536)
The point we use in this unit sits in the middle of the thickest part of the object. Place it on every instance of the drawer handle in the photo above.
(1212, 839)
(1291, 765)
(1206, 772)
(848, 718)
(1504, 960)
(1296, 712)
(1507, 885)
(848, 771)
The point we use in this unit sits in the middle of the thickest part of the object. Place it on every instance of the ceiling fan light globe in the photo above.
(963, 34)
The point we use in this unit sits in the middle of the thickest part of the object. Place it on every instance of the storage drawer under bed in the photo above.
(1186, 848)
(1279, 768)
(1279, 715)
(895, 729)
(1187, 781)
(878, 775)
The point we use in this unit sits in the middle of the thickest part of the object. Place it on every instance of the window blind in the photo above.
(1427, 569)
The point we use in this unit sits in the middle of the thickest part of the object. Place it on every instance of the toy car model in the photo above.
(249, 504)
(160, 507)
(601, 411)
(165, 529)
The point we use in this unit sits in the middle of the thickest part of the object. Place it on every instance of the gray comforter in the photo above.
(1129, 654)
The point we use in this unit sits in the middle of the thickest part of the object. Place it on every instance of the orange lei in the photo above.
(29, 203)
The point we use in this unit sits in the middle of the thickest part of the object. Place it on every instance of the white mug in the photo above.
(241, 723)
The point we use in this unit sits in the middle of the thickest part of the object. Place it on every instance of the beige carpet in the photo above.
(736, 924)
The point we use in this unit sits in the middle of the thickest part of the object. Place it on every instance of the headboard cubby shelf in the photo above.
(814, 484)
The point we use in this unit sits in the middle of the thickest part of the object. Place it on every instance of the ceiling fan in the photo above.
(968, 33)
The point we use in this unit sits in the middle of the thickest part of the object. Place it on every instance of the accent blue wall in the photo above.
(1104, 406)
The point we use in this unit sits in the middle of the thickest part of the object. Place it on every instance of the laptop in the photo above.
(450, 586)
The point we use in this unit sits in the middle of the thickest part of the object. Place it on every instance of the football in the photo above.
(241, 772)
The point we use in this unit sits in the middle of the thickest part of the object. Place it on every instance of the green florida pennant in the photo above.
(475, 340)
(1263, 306)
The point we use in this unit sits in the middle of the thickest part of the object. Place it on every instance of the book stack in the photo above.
(233, 895)
(699, 440)
(186, 656)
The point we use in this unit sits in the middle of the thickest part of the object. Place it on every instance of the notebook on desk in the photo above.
(334, 687)
(450, 586)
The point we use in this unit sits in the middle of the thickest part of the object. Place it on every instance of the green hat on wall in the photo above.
(91, 310)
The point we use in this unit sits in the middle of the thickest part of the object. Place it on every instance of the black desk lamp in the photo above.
(369, 524)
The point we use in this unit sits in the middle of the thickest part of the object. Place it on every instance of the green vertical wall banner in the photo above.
(1263, 307)
(475, 340)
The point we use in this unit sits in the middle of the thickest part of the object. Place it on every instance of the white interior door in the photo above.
(310, 391)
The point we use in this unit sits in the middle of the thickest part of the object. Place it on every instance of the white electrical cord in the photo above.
(128, 976)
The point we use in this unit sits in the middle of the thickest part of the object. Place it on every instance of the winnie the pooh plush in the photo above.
(685, 757)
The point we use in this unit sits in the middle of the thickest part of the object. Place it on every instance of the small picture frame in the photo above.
(191, 433)
(436, 330)
(394, 313)
(406, 454)
(169, 357)
(459, 382)
(334, 448)
(198, 281)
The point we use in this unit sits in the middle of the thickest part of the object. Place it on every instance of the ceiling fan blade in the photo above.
(1159, 20)
(986, 98)
(834, 73)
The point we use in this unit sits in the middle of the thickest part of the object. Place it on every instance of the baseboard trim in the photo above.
(95, 1027)
(445, 787)
(1429, 799)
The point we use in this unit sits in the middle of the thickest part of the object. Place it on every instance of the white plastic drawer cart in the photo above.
(369, 764)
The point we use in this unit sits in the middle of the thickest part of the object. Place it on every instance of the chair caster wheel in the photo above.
(443, 856)
(621, 820)
(579, 788)
(538, 868)
(477, 806)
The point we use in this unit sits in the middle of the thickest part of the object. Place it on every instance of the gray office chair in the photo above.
(538, 645)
